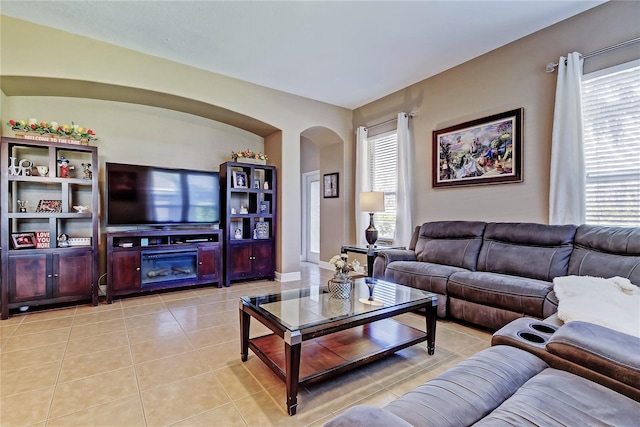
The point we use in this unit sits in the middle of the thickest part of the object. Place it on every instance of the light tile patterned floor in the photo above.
(172, 359)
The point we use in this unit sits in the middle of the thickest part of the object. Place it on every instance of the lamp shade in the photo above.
(372, 201)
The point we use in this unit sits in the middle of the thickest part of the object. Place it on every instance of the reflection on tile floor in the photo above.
(173, 359)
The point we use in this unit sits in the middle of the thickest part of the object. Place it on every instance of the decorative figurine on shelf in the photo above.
(43, 170)
(238, 234)
(63, 240)
(26, 165)
(86, 169)
(13, 169)
(23, 205)
(23, 168)
(64, 167)
(81, 208)
(244, 210)
(266, 185)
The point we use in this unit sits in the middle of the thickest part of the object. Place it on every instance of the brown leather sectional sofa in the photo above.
(500, 275)
(493, 273)
(583, 374)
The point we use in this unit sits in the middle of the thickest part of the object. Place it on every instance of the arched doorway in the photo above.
(323, 219)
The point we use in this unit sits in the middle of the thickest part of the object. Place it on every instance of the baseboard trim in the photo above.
(325, 265)
(288, 277)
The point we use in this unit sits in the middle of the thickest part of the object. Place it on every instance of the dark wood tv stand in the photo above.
(148, 260)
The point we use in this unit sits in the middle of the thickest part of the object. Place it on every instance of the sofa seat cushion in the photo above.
(421, 275)
(518, 294)
(559, 398)
(470, 390)
(425, 276)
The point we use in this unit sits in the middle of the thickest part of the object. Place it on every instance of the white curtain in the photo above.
(362, 182)
(567, 187)
(404, 225)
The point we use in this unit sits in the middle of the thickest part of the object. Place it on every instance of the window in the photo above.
(611, 113)
(383, 172)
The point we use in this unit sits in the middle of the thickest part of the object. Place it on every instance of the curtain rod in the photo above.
(552, 66)
(411, 114)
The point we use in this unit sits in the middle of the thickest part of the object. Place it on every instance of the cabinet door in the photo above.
(72, 274)
(28, 278)
(262, 258)
(208, 262)
(125, 270)
(239, 261)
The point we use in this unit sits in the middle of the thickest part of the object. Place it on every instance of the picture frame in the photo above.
(239, 179)
(479, 152)
(23, 240)
(256, 184)
(264, 207)
(262, 230)
(331, 185)
(49, 206)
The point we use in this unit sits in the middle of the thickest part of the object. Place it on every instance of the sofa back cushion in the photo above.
(454, 243)
(607, 252)
(530, 250)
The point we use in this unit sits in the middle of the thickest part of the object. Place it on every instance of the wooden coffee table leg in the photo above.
(292, 349)
(432, 312)
(244, 334)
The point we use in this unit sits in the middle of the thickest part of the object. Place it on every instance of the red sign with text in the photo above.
(43, 240)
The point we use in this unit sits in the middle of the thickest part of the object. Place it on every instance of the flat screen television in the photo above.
(154, 196)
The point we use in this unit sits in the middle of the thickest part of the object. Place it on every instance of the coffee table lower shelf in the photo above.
(339, 352)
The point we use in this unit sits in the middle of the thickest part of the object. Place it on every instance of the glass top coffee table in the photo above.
(316, 336)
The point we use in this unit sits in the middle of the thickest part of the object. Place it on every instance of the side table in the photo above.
(370, 250)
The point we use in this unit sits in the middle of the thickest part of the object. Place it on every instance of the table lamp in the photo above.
(371, 202)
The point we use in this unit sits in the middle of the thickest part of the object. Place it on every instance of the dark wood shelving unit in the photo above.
(53, 274)
(248, 220)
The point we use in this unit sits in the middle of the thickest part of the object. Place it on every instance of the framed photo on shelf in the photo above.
(23, 240)
(49, 206)
(330, 185)
(262, 230)
(256, 184)
(239, 179)
(482, 151)
(264, 207)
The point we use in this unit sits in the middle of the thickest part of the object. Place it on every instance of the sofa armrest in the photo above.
(385, 258)
(367, 416)
(611, 353)
(550, 305)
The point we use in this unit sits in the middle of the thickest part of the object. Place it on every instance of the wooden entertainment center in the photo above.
(148, 260)
(51, 230)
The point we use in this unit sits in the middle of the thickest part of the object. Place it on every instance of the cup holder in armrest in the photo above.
(528, 336)
(525, 333)
(545, 329)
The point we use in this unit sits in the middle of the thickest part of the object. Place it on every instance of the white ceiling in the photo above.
(346, 53)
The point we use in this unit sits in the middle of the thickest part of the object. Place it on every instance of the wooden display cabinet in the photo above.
(36, 207)
(248, 194)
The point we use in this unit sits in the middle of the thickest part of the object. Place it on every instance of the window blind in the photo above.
(383, 172)
(611, 114)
